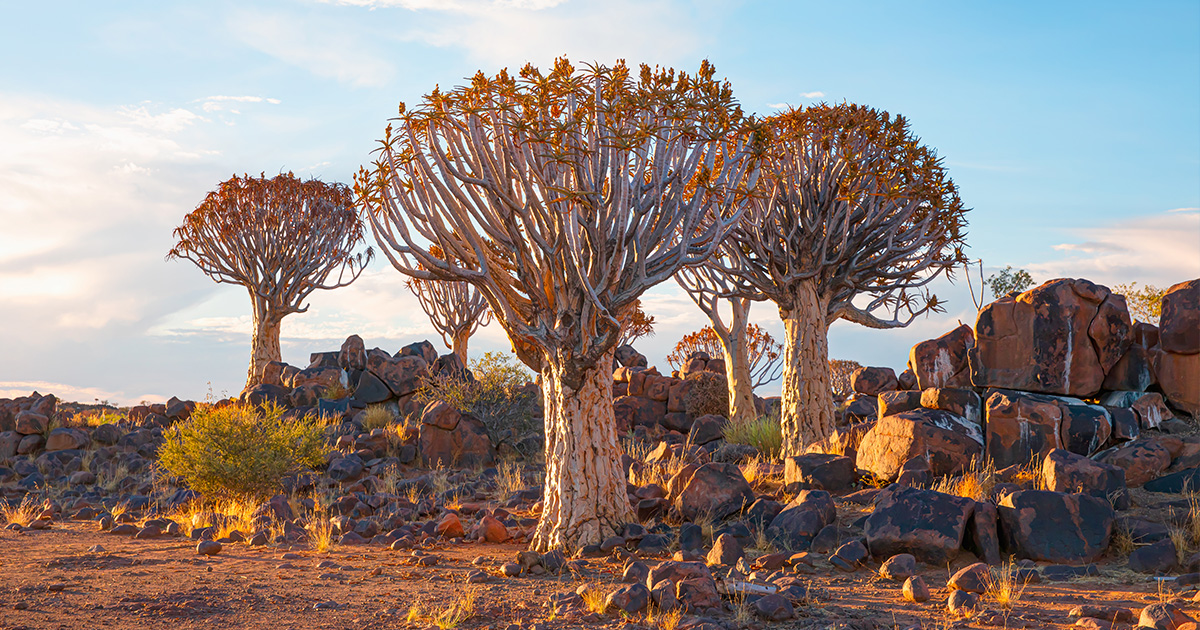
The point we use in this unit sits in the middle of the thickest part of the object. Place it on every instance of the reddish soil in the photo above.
(50, 579)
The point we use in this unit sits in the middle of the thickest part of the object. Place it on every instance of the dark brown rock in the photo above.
(819, 471)
(899, 567)
(1057, 338)
(726, 551)
(402, 375)
(983, 535)
(630, 599)
(872, 381)
(943, 362)
(1179, 326)
(972, 578)
(1179, 377)
(957, 400)
(1142, 460)
(915, 589)
(715, 490)
(1055, 527)
(634, 411)
(466, 445)
(353, 355)
(802, 519)
(949, 442)
(31, 423)
(899, 401)
(65, 438)
(1064, 471)
(1163, 616)
(1157, 558)
(927, 524)
(1021, 426)
(773, 607)
(323, 377)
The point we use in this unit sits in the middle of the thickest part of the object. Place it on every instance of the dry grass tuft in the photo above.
(510, 479)
(320, 531)
(763, 433)
(234, 515)
(665, 620)
(976, 482)
(1004, 587)
(594, 597)
(377, 417)
(1121, 543)
(22, 513)
(1179, 537)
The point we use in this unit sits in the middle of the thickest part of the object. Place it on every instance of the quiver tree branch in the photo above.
(282, 238)
(860, 219)
(562, 197)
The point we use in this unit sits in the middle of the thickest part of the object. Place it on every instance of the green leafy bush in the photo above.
(496, 396)
(708, 395)
(241, 451)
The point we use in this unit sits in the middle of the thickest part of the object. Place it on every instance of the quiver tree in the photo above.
(752, 357)
(861, 217)
(281, 238)
(635, 325)
(562, 197)
(456, 309)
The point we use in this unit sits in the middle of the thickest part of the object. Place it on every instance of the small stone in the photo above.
(477, 577)
(510, 569)
(208, 548)
(95, 549)
(773, 607)
(1163, 616)
(850, 556)
(962, 602)
(972, 578)
(726, 551)
(630, 599)
(915, 589)
(899, 567)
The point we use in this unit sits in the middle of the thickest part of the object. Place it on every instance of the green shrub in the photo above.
(708, 394)
(495, 396)
(763, 433)
(241, 451)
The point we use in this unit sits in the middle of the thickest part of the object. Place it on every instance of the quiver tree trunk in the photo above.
(584, 497)
(807, 406)
(264, 347)
(737, 365)
(459, 344)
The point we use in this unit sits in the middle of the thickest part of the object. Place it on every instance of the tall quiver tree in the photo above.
(562, 197)
(281, 238)
(861, 217)
(456, 309)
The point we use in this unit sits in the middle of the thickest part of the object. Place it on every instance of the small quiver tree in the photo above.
(752, 357)
(456, 309)
(562, 196)
(861, 217)
(635, 325)
(281, 238)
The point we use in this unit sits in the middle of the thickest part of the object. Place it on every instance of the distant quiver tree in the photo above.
(562, 196)
(861, 217)
(281, 238)
(455, 308)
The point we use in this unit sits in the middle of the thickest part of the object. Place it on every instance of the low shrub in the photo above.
(708, 395)
(241, 451)
(495, 395)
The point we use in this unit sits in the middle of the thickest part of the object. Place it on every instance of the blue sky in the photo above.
(1072, 129)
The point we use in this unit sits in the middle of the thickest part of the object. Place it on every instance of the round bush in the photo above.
(707, 394)
(241, 451)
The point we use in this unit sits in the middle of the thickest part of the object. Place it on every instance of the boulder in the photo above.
(1179, 325)
(31, 423)
(402, 375)
(1156, 558)
(707, 428)
(907, 380)
(1064, 471)
(323, 377)
(802, 519)
(1142, 460)
(637, 411)
(943, 362)
(1179, 377)
(353, 355)
(1151, 410)
(899, 401)
(466, 445)
(1134, 371)
(1055, 527)
(872, 381)
(972, 578)
(957, 400)
(420, 349)
(950, 442)
(1085, 427)
(713, 490)
(983, 533)
(626, 356)
(1163, 616)
(1058, 338)
(726, 551)
(65, 438)
(272, 373)
(915, 590)
(694, 585)
(263, 394)
(1021, 427)
(371, 390)
(899, 567)
(833, 473)
(927, 524)
(773, 607)
(860, 408)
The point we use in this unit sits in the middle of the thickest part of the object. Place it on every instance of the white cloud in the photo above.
(451, 5)
(811, 95)
(326, 49)
(1156, 249)
(225, 103)
(777, 105)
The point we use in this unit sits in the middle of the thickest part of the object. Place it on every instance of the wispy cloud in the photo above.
(227, 103)
(327, 49)
(74, 393)
(777, 105)
(1090, 247)
(811, 95)
(1179, 210)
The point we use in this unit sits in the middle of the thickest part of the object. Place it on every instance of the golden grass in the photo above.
(377, 417)
(234, 515)
(1121, 543)
(1004, 587)
(110, 478)
(439, 480)
(742, 614)
(320, 532)
(594, 598)
(755, 470)
(22, 513)
(510, 480)
(462, 609)
(976, 482)
(665, 620)
(763, 433)
(1179, 537)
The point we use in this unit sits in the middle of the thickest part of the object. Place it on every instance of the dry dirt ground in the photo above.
(55, 579)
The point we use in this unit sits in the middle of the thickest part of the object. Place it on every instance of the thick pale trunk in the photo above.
(264, 346)
(460, 345)
(584, 498)
(737, 365)
(807, 406)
